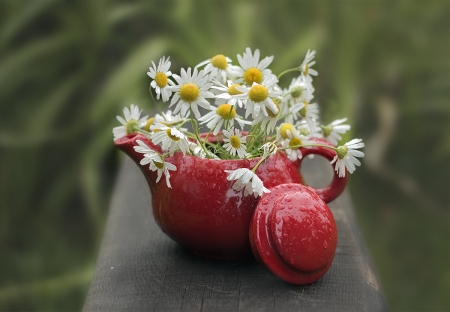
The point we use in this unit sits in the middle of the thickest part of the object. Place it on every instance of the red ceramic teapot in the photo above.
(202, 212)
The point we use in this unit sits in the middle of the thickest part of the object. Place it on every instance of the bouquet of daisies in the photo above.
(255, 116)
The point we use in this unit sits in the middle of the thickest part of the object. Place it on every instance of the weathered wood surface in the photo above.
(140, 269)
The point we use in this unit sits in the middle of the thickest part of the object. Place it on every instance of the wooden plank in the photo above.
(139, 268)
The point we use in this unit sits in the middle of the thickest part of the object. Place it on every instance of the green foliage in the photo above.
(68, 68)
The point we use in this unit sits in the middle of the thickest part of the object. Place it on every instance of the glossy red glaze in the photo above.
(201, 211)
(293, 234)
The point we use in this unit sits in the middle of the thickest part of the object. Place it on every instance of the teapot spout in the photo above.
(127, 143)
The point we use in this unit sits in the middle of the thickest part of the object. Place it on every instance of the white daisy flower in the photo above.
(235, 143)
(165, 119)
(299, 90)
(301, 128)
(156, 162)
(346, 157)
(284, 129)
(269, 148)
(258, 97)
(218, 67)
(252, 70)
(306, 69)
(150, 121)
(131, 123)
(170, 139)
(228, 94)
(304, 129)
(168, 118)
(285, 109)
(162, 167)
(144, 149)
(247, 180)
(333, 131)
(310, 112)
(196, 150)
(160, 75)
(293, 143)
(270, 120)
(191, 91)
(224, 114)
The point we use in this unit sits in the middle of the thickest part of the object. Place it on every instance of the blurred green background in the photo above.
(68, 68)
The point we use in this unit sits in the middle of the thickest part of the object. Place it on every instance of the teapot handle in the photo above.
(337, 185)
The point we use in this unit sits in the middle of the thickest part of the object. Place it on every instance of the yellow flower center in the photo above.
(272, 114)
(302, 112)
(226, 111)
(296, 92)
(258, 93)
(159, 165)
(189, 92)
(219, 61)
(161, 79)
(235, 141)
(172, 137)
(132, 126)
(233, 91)
(305, 71)
(252, 75)
(283, 129)
(149, 123)
(294, 143)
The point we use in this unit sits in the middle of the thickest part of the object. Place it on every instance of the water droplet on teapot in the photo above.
(289, 199)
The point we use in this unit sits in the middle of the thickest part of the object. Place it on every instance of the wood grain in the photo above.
(140, 269)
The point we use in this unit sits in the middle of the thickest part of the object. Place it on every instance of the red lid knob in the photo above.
(293, 234)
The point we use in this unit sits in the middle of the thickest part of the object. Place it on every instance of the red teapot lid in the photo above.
(293, 234)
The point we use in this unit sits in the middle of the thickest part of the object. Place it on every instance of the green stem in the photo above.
(258, 163)
(288, 71)
(181, 124)
(143, 131)
(163, 156)
(190, 135)
(228, 119)
(265, 133)
(195, 128)
(207, 136)
(284, 116)
(305, 145)
(154, 101)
